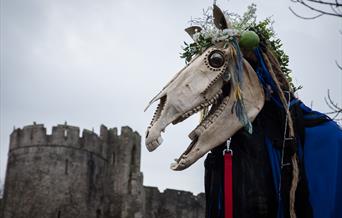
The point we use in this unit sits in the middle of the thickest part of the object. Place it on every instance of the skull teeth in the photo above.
(211, 118)
(203, 105)
(158, 110)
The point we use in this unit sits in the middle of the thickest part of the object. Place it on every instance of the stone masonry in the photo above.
(63, 175)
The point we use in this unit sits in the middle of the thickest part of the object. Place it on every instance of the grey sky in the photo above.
(91, 62)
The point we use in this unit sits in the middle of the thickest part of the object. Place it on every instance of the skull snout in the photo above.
(153, 139)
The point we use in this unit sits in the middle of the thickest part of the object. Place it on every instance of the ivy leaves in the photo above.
(197, 47)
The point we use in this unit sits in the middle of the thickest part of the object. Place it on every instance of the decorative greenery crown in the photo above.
(210, 35)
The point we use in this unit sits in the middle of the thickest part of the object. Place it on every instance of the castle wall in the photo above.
(173, 204)
(125, 178)
(63, 175)
(57, 175)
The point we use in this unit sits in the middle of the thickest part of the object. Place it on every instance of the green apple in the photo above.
(249, 40)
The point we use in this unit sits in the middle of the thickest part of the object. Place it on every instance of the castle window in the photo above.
(98, 213)
(134, 158)
(31, 135)
(65, 133)
(133, 168)
(59, 214)
(113, 158)
(66, 167)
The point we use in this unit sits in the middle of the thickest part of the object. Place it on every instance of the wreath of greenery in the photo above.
(210, 35)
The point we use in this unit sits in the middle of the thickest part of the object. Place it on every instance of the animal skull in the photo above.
(201, 84)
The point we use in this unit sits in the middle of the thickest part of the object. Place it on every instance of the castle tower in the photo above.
(125, 179)
(63, 175)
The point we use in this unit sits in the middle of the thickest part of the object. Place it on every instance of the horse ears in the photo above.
(219, 19)
(192, 30)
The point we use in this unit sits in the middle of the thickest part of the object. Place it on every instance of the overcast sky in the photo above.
(99, 62)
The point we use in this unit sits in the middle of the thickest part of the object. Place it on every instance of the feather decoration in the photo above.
(233, 69)
(241, 113)
(238, 93)
(237, 80)
(236, 69)
(239, 60)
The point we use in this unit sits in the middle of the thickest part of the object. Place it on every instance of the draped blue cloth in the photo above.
(323, 165)
(322, 158)
(321, 155)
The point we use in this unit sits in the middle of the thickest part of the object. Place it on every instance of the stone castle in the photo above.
(63, 175)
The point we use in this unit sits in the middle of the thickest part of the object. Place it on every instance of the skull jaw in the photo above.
(214, 136)
(205, 140)
(166, 114)
(153, 136)
(175, 111)
(225, 125)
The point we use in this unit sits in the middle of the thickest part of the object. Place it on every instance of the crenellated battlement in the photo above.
(79, 173)
(69, 136)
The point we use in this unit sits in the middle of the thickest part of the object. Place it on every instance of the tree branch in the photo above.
(305, 18)
(336, 110)
(335, 8)
(336, 4)
(319, 10)
(338, 65)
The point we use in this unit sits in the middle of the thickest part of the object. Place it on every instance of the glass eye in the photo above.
(216, 59)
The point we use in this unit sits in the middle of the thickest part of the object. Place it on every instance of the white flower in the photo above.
(196, 36)
(230, 32)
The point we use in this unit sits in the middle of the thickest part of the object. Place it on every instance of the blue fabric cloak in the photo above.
(322, 158)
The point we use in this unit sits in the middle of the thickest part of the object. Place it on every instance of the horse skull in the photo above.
(204, 82)
(198, 85)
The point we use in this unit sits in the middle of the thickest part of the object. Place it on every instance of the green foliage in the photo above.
(245, 21)
(195, 48)
(210, 35)
(268, 37)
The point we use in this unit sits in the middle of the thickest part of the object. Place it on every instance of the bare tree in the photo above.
(336, 110)
(320, 7)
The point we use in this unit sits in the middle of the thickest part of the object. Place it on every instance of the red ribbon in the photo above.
(228, 185)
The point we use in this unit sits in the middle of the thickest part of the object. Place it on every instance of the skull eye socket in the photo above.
(216, 59)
